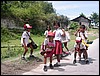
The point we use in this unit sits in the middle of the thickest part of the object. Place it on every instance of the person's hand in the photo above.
(42, 52)
(63, 30)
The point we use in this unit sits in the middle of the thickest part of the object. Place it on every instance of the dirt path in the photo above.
(17, 67)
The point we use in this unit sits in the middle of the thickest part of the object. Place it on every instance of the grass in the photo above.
(17, 51)
(10, 52)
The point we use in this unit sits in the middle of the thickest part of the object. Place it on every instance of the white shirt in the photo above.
(66, 38)
(25, 35)
(81, 35)
(46, 32)
(58, 34)
(46, 42)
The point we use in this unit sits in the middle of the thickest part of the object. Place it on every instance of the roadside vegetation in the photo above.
(11, 47)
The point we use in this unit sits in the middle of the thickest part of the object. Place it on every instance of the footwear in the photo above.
(87, 61)
(51, 67)
(56, 65)
(69, 53)
(32, 56)
(74, 61)
(23, 58)
(45, 68)
(79, 60)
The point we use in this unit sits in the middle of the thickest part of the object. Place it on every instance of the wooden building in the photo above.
(82, 20)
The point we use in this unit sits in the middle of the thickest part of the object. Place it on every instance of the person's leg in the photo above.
(45, 66)
(51, 63)
(65, 44)
(58, 58)
(45, 61)
(79, 53)
(75, 53)
(68, 53)
(58, 52)
(31, 51)
(25, 51)
(86, 56)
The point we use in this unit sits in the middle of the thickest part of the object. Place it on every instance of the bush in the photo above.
(74, 25)
(6, 35)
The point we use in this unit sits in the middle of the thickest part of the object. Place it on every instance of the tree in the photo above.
(94, 18)
(82, 15)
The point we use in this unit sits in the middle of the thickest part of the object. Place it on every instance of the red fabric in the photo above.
(58, 47)
(51, 34)
(77, 50)
(27, 26)
(48, 53)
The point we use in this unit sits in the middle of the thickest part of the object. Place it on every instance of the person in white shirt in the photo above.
(83, 34)
(25, 40)
(80, 48)
(47, 49)
(48, 29)
(65, 40)
(58, 44)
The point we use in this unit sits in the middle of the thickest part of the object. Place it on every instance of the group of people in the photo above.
(53, 44)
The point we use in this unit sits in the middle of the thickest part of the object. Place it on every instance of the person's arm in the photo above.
(85, 35)
(24, 44)
(76, 32)
(63, 32)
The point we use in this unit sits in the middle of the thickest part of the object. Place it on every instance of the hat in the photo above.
(50, 34)
(78, 39)
(27, 26)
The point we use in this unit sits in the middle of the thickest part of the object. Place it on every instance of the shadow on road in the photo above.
(90, 61)
(59, 68)
(35, 58)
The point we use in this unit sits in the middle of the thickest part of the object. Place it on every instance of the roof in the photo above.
(77, 19)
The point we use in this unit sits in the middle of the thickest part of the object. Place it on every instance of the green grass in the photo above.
(16, 51)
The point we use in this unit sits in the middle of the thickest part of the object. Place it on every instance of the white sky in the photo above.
(73, 9)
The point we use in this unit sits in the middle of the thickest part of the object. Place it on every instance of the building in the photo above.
(82, 20)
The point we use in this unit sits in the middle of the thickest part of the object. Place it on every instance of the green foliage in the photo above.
(6, 35)
(37, 13)
(94, 18)
(74, 25)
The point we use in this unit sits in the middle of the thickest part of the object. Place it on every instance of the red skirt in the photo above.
(48, 53)
(58, 47)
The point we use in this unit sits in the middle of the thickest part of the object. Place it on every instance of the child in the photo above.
(58, 45)
(47, 49)
(25, 40)
(65, 40)
(80, 48)
(83, 34)
(48, 29)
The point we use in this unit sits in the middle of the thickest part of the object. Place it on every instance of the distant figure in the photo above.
(65, 40)
(25, 41)
(48, 29)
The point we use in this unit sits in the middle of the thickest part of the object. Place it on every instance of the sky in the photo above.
(73, 9)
